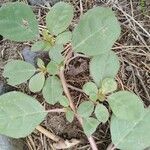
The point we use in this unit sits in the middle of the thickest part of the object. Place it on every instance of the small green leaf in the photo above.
(17, 22)
(93, 97)
(52, 68)
(69, 115)
(64, 38)
(18, 71)
(41, 46)
(104, 66)
(96, 32)
(126, 105)
(89, 125)
(59, 18)
(20, 114)
(36, 83)
(55, 53)
(90, 89)
(85, 109)
(52, 90)
(108, 85)
(64, 101)
(131, 135)
(101, 113)
(40, 63)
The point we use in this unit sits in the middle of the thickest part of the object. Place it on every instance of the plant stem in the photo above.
(72, 106)
(57, 110)
(48, 133)
(111, 147)
(92, 143)
(63, 81)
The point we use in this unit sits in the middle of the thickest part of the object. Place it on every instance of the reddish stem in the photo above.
(72, 106)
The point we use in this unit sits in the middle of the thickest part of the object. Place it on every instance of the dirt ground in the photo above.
(133, 49)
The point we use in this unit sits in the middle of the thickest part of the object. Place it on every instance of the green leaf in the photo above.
(126, 105)
(40, 63)
(36, 83)
(59, 18)
(90, 89)
(41, 46)
(93, 97)
(64, 38)
(17, 22)
(52, 68)
(96, 32)
(55, 53)
(38, 46)
(131, 135)
(18, 71)
(52, 90)
(69, 115)
(104, 66)
(64, 101)
(85, 109)
(20, 114)
(89, 125)
(108, 85)
(101, 113)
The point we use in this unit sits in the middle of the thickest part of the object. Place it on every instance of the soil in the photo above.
(133, 49)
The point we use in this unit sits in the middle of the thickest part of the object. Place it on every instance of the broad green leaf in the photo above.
(18, 71)
(90, 89)
(64, 38)
(104, 66)
(40, 63)
(89, 125)
(108, 85)
(20, 114)
(41, 46)
(131, 135)
(59, 18)
(17, 22)
(126, 105)
(52, 90)
(85, 109)
(36, 83)
(101, 113)
(64, 101)
(69, 115)
(55, 53)
(52, 68)
(96, 32)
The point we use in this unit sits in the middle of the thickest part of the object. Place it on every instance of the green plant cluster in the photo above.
(94, 36)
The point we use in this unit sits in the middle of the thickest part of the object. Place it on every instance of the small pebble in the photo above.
(42, 2)
(7, 143)
(29, 56)
(129, 68)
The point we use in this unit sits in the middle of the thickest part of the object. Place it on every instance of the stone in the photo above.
(28, 55)
(42, 2)
(7, 143)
